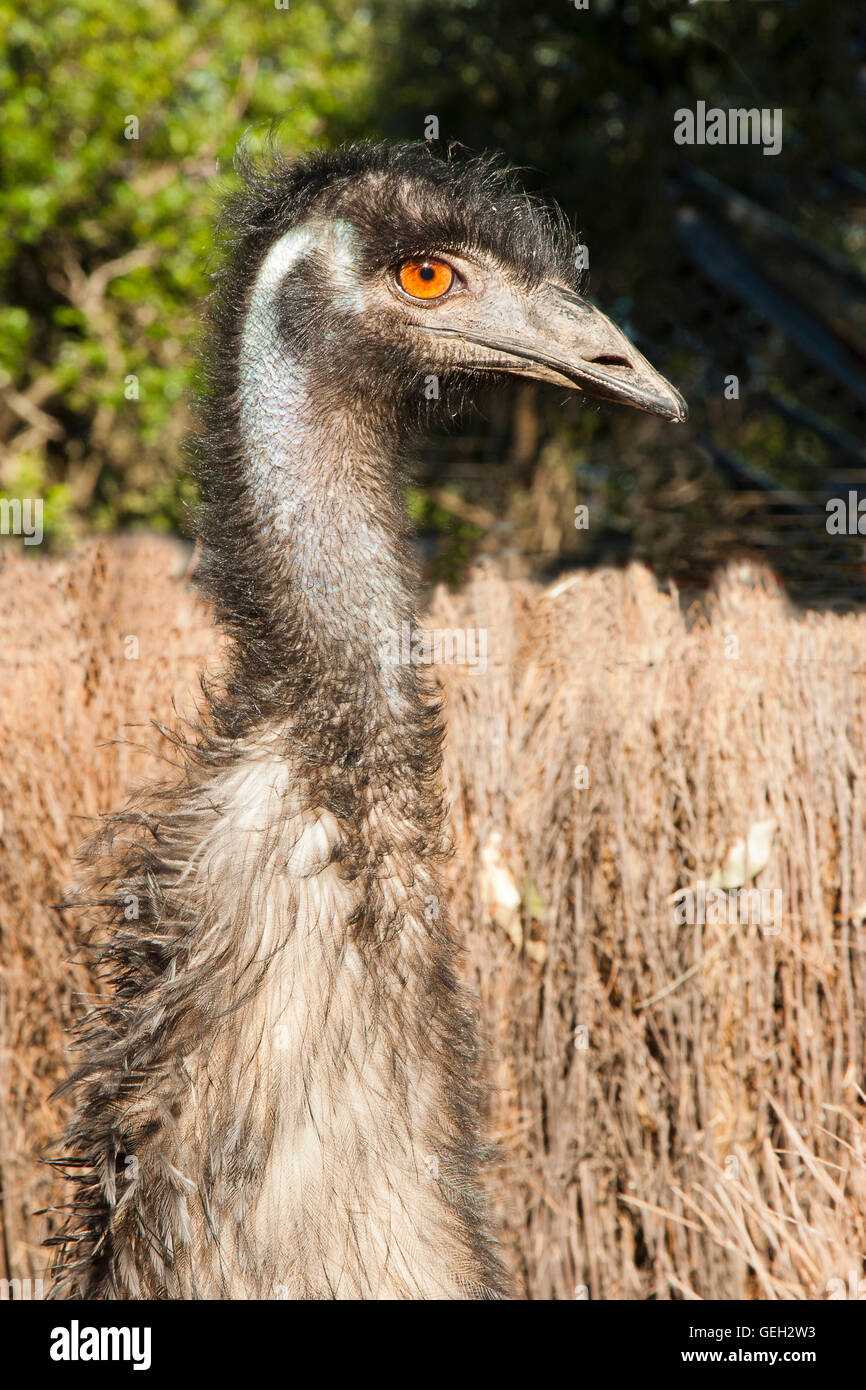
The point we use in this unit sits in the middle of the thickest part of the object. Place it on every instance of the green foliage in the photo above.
(459, 538)
(104, 238)
(31, 482)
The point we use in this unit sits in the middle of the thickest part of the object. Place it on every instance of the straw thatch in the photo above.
(679, 1108)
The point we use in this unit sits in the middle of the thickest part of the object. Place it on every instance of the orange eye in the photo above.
(426, 279)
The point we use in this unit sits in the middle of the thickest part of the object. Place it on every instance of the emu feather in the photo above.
(279, 1095)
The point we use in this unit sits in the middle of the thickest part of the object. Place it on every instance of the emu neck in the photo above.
(321, 478)
(324, 489)
(330, 537)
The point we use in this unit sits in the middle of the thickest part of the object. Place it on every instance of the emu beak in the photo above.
(557, 336)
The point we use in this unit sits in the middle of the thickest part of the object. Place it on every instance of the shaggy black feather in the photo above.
(368, 756)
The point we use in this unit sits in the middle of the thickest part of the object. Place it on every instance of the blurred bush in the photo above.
(116, 119)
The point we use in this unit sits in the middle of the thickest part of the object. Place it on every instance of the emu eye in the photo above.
(428, 279)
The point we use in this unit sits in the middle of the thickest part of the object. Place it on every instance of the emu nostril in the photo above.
(610, 360)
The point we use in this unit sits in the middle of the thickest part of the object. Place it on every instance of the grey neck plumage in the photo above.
(323, 485)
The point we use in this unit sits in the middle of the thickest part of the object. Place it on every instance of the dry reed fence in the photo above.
(679, 1109)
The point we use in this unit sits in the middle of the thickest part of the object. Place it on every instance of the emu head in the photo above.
(377, 268)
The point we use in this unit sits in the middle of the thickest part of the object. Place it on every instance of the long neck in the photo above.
(319, 486)
(318, 586)
(324, 488)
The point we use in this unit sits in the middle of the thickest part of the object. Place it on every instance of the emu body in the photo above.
(280, 1095)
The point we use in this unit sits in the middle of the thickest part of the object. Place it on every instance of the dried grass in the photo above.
(68, 693)
(710, 1144)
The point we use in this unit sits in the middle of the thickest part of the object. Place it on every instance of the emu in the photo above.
(278, 1094)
